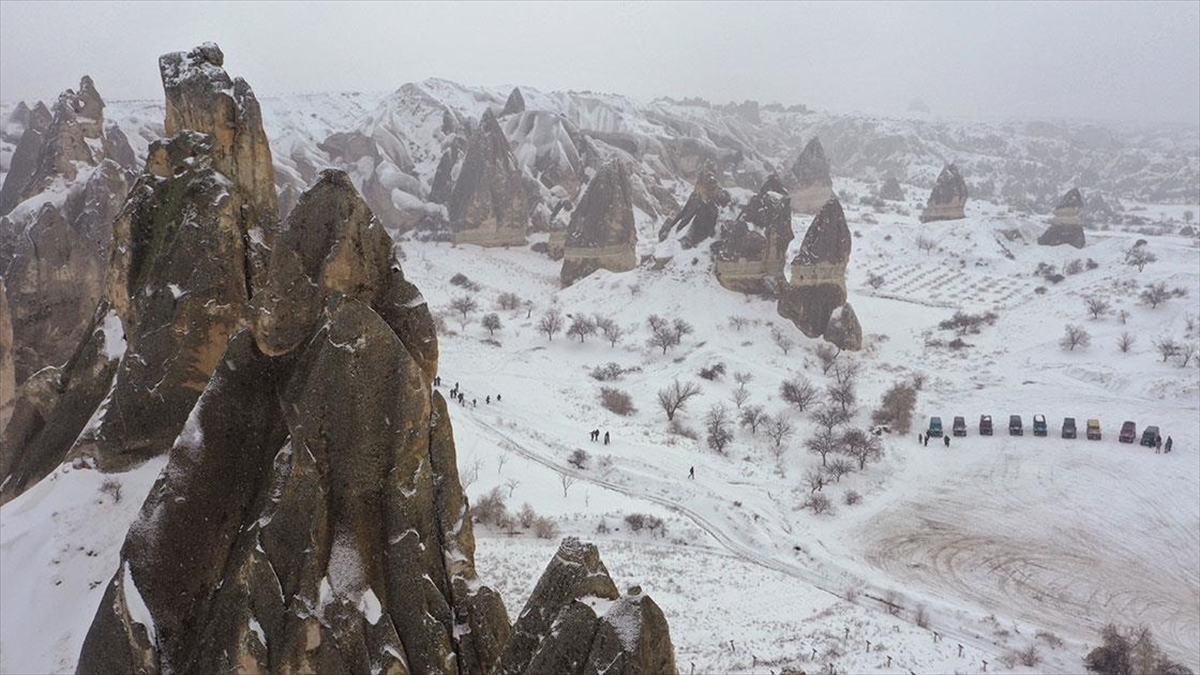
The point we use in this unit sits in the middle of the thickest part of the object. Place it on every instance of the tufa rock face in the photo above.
(488, 204)
(515, 103)
(948, 197)
(751, 252)
(812, 184)
(843, 329)
(818, 273)
(891, 190)
(697, 220)
(560, 631)
(332, 443)
(601, 233)
(54, 248)
(1066, 227)
(8, 378)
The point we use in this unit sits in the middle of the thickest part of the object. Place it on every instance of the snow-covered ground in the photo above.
(996, 539)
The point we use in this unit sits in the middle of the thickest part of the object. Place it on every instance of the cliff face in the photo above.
(948, 197)
(815, 298)
(751, 252)
(697, 220)
(601, 233)
(488, 205)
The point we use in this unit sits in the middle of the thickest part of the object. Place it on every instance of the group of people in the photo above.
(924, 439)
(1164, 448)
(456, 394)
(595, 435)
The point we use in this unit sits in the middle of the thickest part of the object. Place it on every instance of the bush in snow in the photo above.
(1074, 267)
(617, 401)
(508, 301)
(636, 521)
(1097, 307)
(489, 509)
(611, 330)
(1137, 255)
(491, 322)
(462, 281)
(677, 428)
(782, 340)
(545, 528)
(968, 324)
(579, 458)
(607, 372)
(851, 498)
(1155, 294)
(464, 305)
(716, 424)
(1125, 341)
(1166, 347)
(713, 372)
(1130, 650)
(818, 503)
(874, 280)
(112, 488)
(1074, 336)
(738, 322)
(896, 408)
(826, 353)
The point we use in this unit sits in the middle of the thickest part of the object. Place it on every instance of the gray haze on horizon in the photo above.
(1115, 61)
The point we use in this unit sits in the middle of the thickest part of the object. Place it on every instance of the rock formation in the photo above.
(577, 623)
(891, 190)
(8, 377)
(601, 233)
(171, 309)
(817, 288)
(697, 220)
(488, 205)
(1066, 227)
(551, 149)
(752, 250)
(67, 182)
(810, 174)
(515, 103)
(948, 197)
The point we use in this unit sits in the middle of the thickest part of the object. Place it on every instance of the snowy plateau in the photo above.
(955, 559)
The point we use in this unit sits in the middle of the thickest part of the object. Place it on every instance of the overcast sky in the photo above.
(1126, 61)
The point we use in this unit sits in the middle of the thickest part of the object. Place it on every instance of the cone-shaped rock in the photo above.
(515, 103)
(818, 272)
(1066, 227)
(601, 233)
(752, 250)
(576, 623)
(488, 204)
(843, 329)
(948, 197)
(891, 190)
(335, 446)
(26, 157)
(813, 185)
(697, 220)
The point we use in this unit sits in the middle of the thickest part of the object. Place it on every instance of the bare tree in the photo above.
(528, 308)
(782, 340)
(581, 327)
(742, 378)
(843, 395)
(567, 481)
(778, 429)
(1097, 307)
(1187, 351)
(501, 460)
(1125, 341)
(1139, 257)
(740, 396)
(823, 443)
(674, 397)
(798, 391)
(716, 423)
(551, 323)
(655, 322)
(752, 417)
(815, 479)
(663, 338)
(1123, 315)
(738, 322)
(612, 331)
(508, 301)
(1155, 294)
(827, 354)
(1074, 336)
(464, 305)
(1166, 347)
(862, 447)
(681, 328)
(845, 370)
(829, 417)
(492, 323)
(896, 408)
(511, 484)
(926, 244)
(838, 468)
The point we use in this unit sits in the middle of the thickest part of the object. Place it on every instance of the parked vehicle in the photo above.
(1150, 437)
(935, 427)
(1128, 433)
(960, 426)
(1068, 428)
(1039, 426)
(985, 425)
(1015, 427)
(1093, 430)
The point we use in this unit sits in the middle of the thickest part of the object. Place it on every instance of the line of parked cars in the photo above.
(1016, 427)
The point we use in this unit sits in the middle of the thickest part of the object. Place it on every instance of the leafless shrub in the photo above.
(679, 429)
(827, 353)
(1050, 639)
(926, 244)
(712, 373)
(463, 282)
(1125, 342)
(490, 509)
(512, 484)
(862, 447)
(798, 391)
(112, 488)
(838, 468)
(874, 280)
(782, 340)
(545, 528)
(581, 327)
(814, 478)
(607, 372)
(1155, 294)
(896, 408)
(491, 322)
(1166, 347)
(611, 330)
(739, 397)
(1097, 307)
(1074, 267)
(742, 378)
(1187, 351)
(508, 301)
(1030, 657)
(922, 616)
(752, 417)
(1131, 651)
(822, 443)
(551, 323)
(579, 458)
(464, 305)
(716, 424)
(1137, 256)
(843, 395)
(851, 498)
(526, 516)
(818, 503)
(1074, 336)
(779, 429)
(617, 401)
(675, 397)
(738, 322)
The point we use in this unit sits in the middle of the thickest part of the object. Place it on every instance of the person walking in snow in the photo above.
(606, 438)
(497, 398)
(1157, 445)
(946, 439)
(692, 473)
(1167, 447)
(919, 438)
(927, 440)
(488, 400)
(474, 402)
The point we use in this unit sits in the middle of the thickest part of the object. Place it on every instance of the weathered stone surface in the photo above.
(818, 272)
(443, 177)
(843, 329)
(26, 157)
(560, 632)
(891, 190)
(697, 220)
(488, 205)
(515, 103)
(550, 148)
(8, 375)
(601, 233)
(812, 184)
(947, 198)
(752, 250)
(1066, 226)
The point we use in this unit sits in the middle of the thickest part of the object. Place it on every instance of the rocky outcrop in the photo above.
(817, 287)
(577, 623)
(752, 250)
(697, 220)
(812, 184)
(891, 190)
(515, 103)
(68, 181)
(601, 233)
(8, 377)
(843, 329)
(488, 205)
(171, 309)
(551, 149)
(948, 197)
(1066, 227)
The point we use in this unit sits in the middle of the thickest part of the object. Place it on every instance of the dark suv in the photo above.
(1150, 437)
(985, 425)
(1015, 428)
(1128, 433)
(960, 426)
(1068, 430)
(1039, 426)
